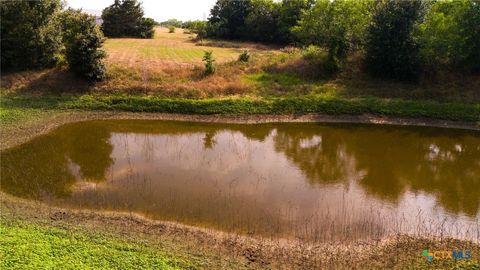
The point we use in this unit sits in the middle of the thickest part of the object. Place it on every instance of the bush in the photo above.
(326, 63)
(147, 28)
(30, 34)
(209, 63)
(171, 29)
(338, 26)
(313, 53)
(83, 41)
(244, 56)
(391, 50)
(198, 27)
(332, 65)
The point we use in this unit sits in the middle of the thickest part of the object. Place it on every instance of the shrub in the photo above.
(171, 29)
(209, 63)
(391, 50)
(197, 27)
(338, 26)
(332, 65)
(244, 56)
(83, 41)
(313, 53)
(327, 64)
(147, 28)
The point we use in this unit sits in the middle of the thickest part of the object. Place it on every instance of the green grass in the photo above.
(31, 246)
(266, 79)
(18, 106)
(174, 47)
(12, 115)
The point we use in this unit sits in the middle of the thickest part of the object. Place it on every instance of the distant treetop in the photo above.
(125, 18)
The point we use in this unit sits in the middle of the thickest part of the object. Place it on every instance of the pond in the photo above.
(309, 181)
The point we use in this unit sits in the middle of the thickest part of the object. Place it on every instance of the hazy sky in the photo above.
(160, 10)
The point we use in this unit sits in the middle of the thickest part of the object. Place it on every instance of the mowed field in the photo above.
(170, 65)
(166, 50)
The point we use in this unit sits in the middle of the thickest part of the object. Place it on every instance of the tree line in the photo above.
(400, 39)
(43, 33)
(39, 34)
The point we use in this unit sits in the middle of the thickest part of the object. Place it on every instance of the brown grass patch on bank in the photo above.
(38, 82)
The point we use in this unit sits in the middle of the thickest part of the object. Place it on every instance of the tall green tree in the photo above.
(198, 27)
(83, 44)
(449, 36)
(37, 34)
(30, 34)
(227, 18)
(147, 28)
(470, 28)
(289, 14)
(125, 18)
(337, 25)
(261, 22)
(391, 50)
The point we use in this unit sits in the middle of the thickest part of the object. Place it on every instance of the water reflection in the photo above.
(304, 180)
(390, 161)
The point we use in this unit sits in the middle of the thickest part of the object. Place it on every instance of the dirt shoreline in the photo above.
(18, 135)
(396, 251)
(220, 249)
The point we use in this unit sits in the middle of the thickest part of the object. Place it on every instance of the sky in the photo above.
(159, 10)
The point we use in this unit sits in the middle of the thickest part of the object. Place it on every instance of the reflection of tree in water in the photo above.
(451, 170)
(252, 132)
(36, 168)
(209, 140)
(89, 147)
(320, 155)
(42, 166)
(255, 131)
(387, 161)
(443, 163)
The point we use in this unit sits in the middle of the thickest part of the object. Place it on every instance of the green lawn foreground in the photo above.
(25, 245)
(23, 107)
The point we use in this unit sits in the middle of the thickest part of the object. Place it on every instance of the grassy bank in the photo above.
(22, 107)
(37, 236)
(28, 245)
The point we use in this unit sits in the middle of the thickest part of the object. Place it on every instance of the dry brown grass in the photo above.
(171, 65)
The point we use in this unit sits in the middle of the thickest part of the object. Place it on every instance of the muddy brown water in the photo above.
(308, 181)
